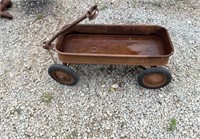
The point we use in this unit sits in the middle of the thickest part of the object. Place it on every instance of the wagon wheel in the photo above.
(63, 74)
(154, 78)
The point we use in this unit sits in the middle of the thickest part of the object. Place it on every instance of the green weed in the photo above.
(172, 125)
(46, 98)
(156, 4)
(72, 135)
(16, 110)
(39, 17)
(103, 7)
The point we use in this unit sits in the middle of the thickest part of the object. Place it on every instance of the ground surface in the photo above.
(32, 105)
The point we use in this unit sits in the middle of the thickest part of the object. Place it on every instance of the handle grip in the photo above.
(92, 12)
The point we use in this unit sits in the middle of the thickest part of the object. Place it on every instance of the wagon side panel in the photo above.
(145, 61)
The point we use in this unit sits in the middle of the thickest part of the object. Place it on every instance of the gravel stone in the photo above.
(89, 110)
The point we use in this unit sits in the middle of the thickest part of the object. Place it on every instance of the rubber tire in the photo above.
(149, 71)
(65, 70)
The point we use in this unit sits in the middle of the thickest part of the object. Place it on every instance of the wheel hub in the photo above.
(155, 79)
(63, 77)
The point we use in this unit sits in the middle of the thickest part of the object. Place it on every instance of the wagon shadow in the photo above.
(35, 7)
(107, 73)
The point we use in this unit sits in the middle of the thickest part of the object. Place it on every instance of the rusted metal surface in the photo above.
(147, 45)
(62, 76)
(5, 4)
(154, 79)
(142, 45)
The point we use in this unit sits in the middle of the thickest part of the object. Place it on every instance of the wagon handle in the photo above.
(91, 14)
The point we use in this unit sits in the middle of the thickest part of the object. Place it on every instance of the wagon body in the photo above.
(143, 45)
(147, 45)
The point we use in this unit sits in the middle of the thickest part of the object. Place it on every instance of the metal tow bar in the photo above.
(91, 14)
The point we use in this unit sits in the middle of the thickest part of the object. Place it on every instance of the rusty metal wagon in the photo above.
(140, 45)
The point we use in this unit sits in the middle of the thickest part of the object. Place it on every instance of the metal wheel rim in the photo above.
(62, 77)
(154, 80)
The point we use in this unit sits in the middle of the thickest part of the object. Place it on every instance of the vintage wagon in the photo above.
(141, 45)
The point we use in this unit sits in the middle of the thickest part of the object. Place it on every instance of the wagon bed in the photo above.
(115, 44)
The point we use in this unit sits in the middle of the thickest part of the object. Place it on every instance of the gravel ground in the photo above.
(32, 105)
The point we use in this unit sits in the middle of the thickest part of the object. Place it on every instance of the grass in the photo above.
(16, 110)
(172, 125)
(112, 90)
(39, 17)
(157, 4)
(103, 7)
(47, 98)
(72, 135)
